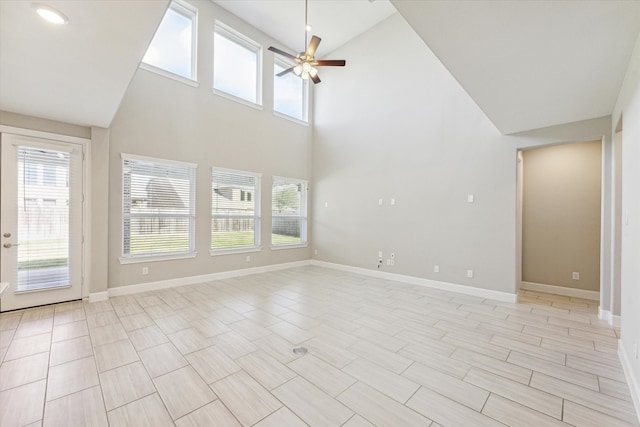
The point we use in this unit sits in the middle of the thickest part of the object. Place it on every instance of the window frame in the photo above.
(304, 190)
(146, 257)
(305, 94)
(237, 37)
(257, 218)
(191, 12)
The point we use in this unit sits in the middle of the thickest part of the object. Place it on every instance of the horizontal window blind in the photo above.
(288, 211)
(235, 213)
(158, 201)
(43, 218)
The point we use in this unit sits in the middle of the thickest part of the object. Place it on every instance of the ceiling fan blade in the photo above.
(282, 52)
(330, 63)
(313, 45)
(315, 79)
(287, 71)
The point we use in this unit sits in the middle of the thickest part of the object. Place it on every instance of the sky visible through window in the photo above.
(171, 47)
(235, 68)
(288, 93)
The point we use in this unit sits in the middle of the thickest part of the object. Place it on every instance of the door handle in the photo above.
(8, 245)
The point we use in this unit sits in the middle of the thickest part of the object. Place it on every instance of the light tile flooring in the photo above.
(380, 353)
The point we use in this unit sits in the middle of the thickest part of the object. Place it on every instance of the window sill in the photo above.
(154, 258)
(290, 118)
(231, 251)
(292, 246)
(169, 75)
(237, 99)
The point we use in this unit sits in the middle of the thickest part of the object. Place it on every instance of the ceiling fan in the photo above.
(306, 62)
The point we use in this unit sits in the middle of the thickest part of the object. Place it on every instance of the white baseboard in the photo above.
(468, 290)
(98, 296)
(163, 284)
(606, 315)
(560, 290)
(632, 379)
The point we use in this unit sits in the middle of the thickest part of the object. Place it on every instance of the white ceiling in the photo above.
(527, 63)
(334, 21)
(75, 73)
(531, 64)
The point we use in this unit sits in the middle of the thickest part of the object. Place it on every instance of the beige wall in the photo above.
(160, 117)
(34, 123)
(561, 215)
(418, 138)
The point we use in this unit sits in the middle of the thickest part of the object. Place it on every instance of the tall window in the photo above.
(290, 92)
(173, 47)
(158, 207)
(237, 65)
(288, 211)
(235, 210)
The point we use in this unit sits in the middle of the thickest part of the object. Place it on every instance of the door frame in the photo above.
(85, 144)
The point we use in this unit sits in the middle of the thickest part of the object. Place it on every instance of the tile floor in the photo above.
(380, 353)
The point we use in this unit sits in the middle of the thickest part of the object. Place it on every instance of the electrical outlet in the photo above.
(145, 271)
(315, 252)
(392, 263)
(392, 201)
(380, 254)
(436, 268)
(248, 258)
(388, 261)
(470, 273)
(380, 202)
(575, 275)
(470, 198)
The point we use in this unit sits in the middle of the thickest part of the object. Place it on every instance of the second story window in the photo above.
(173, 48)
(237, 65)
(290, 92)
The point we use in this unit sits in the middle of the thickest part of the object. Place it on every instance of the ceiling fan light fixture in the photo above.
(50, 14)
(297, 70)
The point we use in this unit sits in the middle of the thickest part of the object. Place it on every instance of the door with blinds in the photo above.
(41, 225)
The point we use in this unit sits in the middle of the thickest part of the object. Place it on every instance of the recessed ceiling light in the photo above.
(50, 14)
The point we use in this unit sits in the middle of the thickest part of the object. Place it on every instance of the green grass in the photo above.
(219, 240)
(42, 263)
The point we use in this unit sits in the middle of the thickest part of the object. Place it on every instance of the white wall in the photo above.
(163, 118)
(628, 107)
(395, 124)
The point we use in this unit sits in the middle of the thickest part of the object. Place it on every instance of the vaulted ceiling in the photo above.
(527, 63)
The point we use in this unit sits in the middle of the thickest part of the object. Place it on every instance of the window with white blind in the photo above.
(44, 211)
(158, 208)
(237, 65)
(173, 48)
(288, 212)
(290, 92)
(235, 211)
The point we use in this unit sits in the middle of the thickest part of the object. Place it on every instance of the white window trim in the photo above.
(304, 231)
(153, 258)
(241, 39)
(191, 12)
(257, 217)
(291, 119)
(168, 74)
(305, 96)
(133, 259)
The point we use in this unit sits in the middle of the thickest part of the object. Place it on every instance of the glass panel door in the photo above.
(41, 221)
